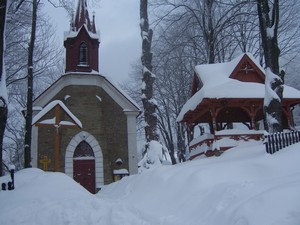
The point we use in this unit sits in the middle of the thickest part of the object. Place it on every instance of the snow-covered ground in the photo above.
(244, 186)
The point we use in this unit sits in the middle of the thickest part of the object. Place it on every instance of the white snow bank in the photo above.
(47, 198)
(244, 186)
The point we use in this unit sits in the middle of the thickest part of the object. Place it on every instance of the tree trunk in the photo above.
(268, 14)
(181, 143)
(28, 115)
(149, 103)
(3, 96)
(210, 31)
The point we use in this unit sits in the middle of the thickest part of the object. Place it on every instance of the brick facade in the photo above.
(72, 52)
(100, 116)
(107, 115)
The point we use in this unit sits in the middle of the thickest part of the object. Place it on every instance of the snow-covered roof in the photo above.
(120, 172)
(214, 74)
(89, 78)
(123, 93)
(49, 107)
(218, 84)
(73, 34)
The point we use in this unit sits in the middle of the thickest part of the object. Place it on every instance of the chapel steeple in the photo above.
(82, 18)
(82, 42)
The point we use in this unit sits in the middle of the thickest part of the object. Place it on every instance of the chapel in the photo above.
(226, 105)
(83, 124)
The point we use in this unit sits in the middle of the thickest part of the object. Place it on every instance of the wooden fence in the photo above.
(277, 141)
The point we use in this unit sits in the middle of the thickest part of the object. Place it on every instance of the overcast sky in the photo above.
(118, 22)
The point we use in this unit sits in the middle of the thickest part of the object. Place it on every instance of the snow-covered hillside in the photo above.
(245, 186)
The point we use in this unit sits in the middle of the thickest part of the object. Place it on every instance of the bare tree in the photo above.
(48, 66)
(148, 77)
(48, 55)
(209, 31)
(28, 114)
(68, 5)
(189, 33)
(205, 23)
(185, 33)
(172, 88)
(3, 92)
(268, 14)
(14, 135)
(18, 26)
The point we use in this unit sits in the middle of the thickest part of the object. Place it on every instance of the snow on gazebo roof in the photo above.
(217, 84)
(218, 73)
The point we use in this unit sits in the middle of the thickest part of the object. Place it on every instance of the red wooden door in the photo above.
(84, 173)
(84, 166)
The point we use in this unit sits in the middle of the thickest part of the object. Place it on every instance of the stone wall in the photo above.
(100, 116)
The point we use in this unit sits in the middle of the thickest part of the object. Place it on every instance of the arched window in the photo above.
(83, 149)
(83, 54)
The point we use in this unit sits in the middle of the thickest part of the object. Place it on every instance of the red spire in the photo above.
(82, 18)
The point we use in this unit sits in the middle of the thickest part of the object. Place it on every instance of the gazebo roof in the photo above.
(241, 78)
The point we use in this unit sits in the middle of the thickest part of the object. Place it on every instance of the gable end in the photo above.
(247, 71)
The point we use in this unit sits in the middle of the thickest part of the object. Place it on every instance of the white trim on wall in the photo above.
(91, 140)
(89, 80)
(132, 142)
(34, 146)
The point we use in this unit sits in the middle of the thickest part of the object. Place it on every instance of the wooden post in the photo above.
(252, 112)
(287, 112)
(213, 113)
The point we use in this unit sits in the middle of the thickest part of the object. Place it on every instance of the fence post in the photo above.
(266, 142)
(273, 144)
(277, 141)
(290, 138)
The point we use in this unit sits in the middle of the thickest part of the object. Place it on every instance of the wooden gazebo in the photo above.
(227, 93)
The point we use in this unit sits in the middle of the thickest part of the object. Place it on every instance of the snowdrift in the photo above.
(244, 186)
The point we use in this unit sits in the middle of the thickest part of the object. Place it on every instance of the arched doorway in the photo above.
(93, 143)
(84, 166)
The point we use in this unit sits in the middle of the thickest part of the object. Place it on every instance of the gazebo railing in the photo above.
(277, 141)
(204, 143)
(200, 145)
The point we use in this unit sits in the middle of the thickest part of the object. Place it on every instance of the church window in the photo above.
(83, 54)
(83, 150)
